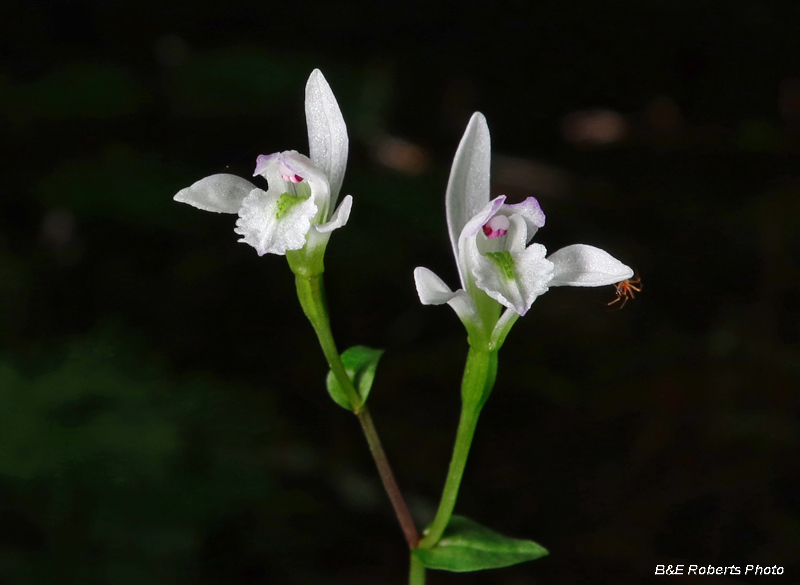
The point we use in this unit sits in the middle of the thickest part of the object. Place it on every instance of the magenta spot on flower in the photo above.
(292, 178)
(496, 227)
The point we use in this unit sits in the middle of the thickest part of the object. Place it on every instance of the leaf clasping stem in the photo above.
(416, 574)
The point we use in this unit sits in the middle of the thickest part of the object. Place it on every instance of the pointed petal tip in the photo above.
(339, 217)
(430, 288)
(477, 118)
(478, 129)
(316, 78)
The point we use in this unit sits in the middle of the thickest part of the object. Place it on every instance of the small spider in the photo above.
(625, 290)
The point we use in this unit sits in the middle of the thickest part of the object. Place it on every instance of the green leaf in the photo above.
(360, 363)
(468, 546)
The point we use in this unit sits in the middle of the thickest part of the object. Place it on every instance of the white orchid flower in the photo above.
(492, 245)
(297, 208)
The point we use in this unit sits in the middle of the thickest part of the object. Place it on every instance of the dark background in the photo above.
(163, 417)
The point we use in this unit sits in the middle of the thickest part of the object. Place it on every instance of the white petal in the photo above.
(534, 272)
(468, 187)
(327, 133)
(340, 216)
(433, 291)
(220, 193)
(530, 211)
(583, 265)
(260, 226)
(517, 236)
(504, 290)
(467, 242)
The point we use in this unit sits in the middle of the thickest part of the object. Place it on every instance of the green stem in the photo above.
(312, 299)
(416, 574)
(479, 377)
(387, 477)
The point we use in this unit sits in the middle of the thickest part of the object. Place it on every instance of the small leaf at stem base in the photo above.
(360, 363)
(468, 546)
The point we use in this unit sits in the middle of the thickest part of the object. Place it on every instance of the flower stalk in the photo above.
(312, 299)
(387, 477)
(479, 377)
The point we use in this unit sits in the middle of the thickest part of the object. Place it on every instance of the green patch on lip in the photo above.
(504, 262)
(286, 203)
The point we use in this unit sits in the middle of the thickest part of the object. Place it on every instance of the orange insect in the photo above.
(625, 290)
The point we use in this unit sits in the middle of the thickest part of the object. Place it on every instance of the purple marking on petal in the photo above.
(285, 166)
(263, 161)
(530, 210)
(286, 170)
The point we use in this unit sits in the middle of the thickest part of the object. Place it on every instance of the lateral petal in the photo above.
(433, 291)
(584, 265)
(340, 216)
(220, 193)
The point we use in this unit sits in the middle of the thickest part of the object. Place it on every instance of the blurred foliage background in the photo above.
(163, 417)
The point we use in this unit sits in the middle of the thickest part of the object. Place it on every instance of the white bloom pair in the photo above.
(490, 238)
(297, 208)
(490, 242)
